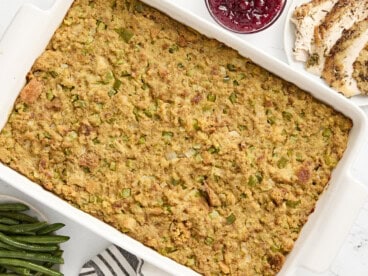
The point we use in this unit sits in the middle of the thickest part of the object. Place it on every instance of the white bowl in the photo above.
(33, 212)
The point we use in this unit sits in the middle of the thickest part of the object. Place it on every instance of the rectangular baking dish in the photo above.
(327, 227)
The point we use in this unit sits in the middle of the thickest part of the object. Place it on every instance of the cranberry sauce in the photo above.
(245, 16)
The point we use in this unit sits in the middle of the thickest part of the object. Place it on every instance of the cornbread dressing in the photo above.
(173, 138)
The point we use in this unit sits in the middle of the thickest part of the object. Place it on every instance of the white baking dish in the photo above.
(327, 227)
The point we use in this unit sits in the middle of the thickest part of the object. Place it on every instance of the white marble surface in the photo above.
(352, 259)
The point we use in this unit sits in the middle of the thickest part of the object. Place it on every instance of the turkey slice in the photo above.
(361, 70)
(306, 18)
(342, 17)
(338, 70)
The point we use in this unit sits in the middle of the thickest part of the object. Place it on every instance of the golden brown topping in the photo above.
(276, 261)
(303, 175)
(31, 91)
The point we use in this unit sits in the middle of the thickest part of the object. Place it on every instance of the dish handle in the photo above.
(340, 208)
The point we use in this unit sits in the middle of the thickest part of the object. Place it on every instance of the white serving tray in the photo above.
(326, 228)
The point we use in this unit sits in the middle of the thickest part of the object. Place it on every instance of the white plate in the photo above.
(33, 212)
(289, 40)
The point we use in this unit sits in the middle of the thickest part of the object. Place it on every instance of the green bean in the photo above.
(58, 253)
(16, 207)
(18, 270)
(31, 256)
(8, 247)
(8, 221)
(49, 239)
(48, 265)
(50, 228)
(23, 233)
(27, 233)
(27, 227)
(30, 247)
(18, 216)
(29, 265)
(22, 228)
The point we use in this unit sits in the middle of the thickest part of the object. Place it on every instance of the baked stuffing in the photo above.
(173, 138)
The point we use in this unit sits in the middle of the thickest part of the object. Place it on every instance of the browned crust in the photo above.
(31, 91)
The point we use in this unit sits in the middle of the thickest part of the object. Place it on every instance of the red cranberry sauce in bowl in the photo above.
(245, 16)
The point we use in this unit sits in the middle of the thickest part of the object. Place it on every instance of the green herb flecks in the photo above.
(211, 97)
(112, 92)
(124, 34)
(271, 120)
(281, 164)
(49, 95)
(125, 193)
(209, 241)
(196, 125)
(139, 7)
(287, 116)
(327, 132)
(142, 140)
(292, 203)
(117, 84)
(53, 74)
(230, 219)
(167, 135)
(231, 67)
(174, 48)
(233, 98)
(214, 149)
(252, 181)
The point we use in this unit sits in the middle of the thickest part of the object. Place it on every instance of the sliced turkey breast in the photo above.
(338, 70)
(342, 17)
(306, 18)
(361, 70)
